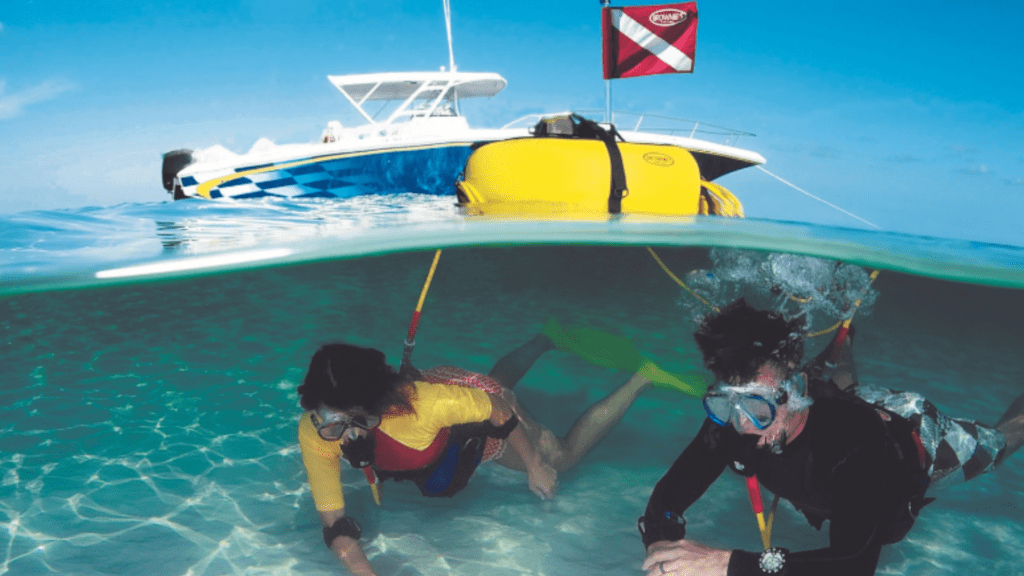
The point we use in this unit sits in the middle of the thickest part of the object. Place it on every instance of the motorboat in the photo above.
(419, 147)
(423, 144)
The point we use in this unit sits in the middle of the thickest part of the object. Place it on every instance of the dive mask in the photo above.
(757, 402)
(332, 426)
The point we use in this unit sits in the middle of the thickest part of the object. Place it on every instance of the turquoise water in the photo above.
(148, 415)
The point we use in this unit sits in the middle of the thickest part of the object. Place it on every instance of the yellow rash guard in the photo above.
(436, 407)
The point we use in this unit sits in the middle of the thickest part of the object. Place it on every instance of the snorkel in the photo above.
(410, 338)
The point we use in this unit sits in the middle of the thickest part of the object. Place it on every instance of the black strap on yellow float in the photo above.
(618, 188)
(618, 182)
(576, 126)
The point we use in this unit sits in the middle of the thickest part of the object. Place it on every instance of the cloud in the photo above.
(824, 151)
(904, 159)
(962, 150)
(14, 104)
(978, 170)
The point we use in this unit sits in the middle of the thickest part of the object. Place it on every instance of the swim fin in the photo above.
(618, 352)
(599, 348)
(691, 383)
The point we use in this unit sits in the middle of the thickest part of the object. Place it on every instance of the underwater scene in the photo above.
(148, 423)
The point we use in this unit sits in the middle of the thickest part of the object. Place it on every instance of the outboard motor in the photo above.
(174, 162)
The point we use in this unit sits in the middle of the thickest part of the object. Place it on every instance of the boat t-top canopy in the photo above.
(423, 94)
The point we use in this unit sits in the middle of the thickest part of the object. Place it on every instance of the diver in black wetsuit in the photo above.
(860, 463)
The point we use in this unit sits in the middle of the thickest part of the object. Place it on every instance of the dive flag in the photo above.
(644, 40)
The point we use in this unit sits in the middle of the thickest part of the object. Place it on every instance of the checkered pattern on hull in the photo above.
(425, 171)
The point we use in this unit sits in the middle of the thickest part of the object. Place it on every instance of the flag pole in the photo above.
(607, 82)
(448, 27)
(608, 101)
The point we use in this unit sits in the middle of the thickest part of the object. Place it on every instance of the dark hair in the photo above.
(343, 376)
(740, 339)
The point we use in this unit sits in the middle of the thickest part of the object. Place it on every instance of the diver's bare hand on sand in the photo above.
(686, 558)
(543, 481)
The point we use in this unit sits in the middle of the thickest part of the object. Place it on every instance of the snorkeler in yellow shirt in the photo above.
(432, 427)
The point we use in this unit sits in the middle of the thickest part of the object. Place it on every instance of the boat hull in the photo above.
(429, 169)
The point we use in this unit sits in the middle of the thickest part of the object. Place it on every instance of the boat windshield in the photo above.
(409, 96)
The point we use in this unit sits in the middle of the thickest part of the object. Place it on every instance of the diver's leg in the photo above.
(1015, 410)
(597, 421)
(511, 368)
(845, 372)
(841, 366)
(1012, 426)
(563, 453)
(537, 434)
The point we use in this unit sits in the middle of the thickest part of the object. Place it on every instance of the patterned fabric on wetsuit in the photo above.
(459, 377)
(960, 449)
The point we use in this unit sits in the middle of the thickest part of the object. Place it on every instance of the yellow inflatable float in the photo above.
(583, 167)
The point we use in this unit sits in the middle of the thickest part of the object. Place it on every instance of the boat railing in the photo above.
(656, 123)
(531, 119)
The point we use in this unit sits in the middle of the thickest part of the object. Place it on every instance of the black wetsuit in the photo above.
(852, 464)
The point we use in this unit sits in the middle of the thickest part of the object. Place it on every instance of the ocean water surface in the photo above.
(151, 355)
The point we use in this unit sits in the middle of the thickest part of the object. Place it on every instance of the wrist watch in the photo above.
(773, 560)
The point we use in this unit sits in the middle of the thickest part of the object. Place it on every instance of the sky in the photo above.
(910, 116)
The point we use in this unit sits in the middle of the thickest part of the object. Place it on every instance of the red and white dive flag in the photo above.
(644, 40)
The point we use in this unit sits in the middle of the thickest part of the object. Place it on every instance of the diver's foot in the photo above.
(556, 336)
(543, 342)
(1013, 430)
(1015, 410)
(691, 384)
(511, 368)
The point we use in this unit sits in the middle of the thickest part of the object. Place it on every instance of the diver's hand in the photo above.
(543, 481)
(686, 558)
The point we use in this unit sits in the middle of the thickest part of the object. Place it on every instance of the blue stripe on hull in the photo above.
(425, 171)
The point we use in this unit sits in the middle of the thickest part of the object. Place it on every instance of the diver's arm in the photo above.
(347, 549)
(854, 546)
(323, 472)
(663, 528)
(699, 465)
(543, 478)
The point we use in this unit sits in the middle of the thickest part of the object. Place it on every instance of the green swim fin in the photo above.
(691, 383)
(618, 352)
(599, 348)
